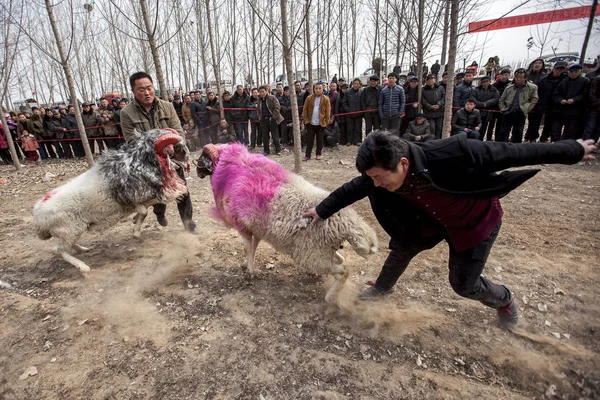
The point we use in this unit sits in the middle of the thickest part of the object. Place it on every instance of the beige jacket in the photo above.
(135, 117)
(527, 99)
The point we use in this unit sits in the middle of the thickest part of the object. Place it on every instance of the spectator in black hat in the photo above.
(178, 105)
(409, 76)
(544, 109)
(433, 99)
(486, 100)
(570, 98)
(352, 104)
(412, 104)
(228, 105)
(495, 121)
(341, 119)
(418, 130)
(370, 101)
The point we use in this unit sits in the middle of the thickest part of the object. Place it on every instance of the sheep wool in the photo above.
(263, 201)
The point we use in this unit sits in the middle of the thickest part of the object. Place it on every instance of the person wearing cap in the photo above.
(56, 126)
(178, 105)
(146, 112)
(486, 100)
(517, 101)
(433, 99)
(201, 116)
(352, 104)
(92, 122)
(536, 69)
(370, 101)
(341, 119)
(570, 99)
(391, 104)
(444, 190)
(411, 96)
(418, 130)
(544, 109)
(409, 76)
(458, 79)
(495, 121)
(227, 104)
(464, 91)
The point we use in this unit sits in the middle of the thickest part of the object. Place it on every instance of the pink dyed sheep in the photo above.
(263, 201)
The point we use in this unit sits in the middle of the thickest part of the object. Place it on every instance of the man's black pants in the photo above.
(515, 122)
(391, 124)
(311, 132)
(267, 125)
(465, 268)
(184, 205)
(354, 126)
(372, 122)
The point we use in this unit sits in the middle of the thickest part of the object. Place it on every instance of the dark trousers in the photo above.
(286, 133)
(391, 124)
(473, 134)
(534, 120)
(255, 135)
(435, 126)
(78, 148)
(5, 156)
(343, 130)
(571, 123)
(404, 124)
(372, 122)
(241, 130)
(486, 118)
(592, 129)
(99, 142)
(354, 127)
(48, 149)
(549, 118)
(269, 125)
(465, 268)
(495, 123)
(112, 142)
(515, 122)
(184, 205)
(311, 132)
(58, 147)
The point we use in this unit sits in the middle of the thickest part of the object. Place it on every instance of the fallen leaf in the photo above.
(31, 371)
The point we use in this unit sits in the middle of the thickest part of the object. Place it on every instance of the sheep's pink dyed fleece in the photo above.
(244, 184)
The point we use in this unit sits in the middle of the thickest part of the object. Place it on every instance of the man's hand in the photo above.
(477, 129)
(570, 101)
(417, 138)
(563, 102)
(467, 130)
(589, 146)
(435, 107)
(312, 213)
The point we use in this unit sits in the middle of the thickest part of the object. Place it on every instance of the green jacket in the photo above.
(135, 118)
(527, 99)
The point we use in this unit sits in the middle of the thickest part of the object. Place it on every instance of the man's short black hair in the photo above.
(262, 87)
(239, 86)
(520, 71)
(471, 100)
(381, 149)
(392, 74)
(138, 75)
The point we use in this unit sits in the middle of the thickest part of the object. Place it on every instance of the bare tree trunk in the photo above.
(213, 51)
(308, 50)
(254, 52)
(445, 36)
(153, 48)
(67, 71)
(451, 64)
(419, 70)
(234, 43)
(588, 32)
(287, 56)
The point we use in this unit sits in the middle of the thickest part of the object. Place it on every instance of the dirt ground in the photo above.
(172, 316)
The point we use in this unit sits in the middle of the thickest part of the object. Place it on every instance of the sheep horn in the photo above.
(165, 140)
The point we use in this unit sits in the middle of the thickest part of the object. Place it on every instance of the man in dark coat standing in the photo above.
(433, 98)
(370, 101)
(570, 99)
(486, 100)
(447, 190)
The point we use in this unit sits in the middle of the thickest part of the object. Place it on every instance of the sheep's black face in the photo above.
(204, 165)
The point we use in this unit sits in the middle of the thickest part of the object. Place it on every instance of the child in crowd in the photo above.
(30, 146)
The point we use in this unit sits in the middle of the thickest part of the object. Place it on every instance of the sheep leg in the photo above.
(139, 218)
(80, 249)
(250, 245)
(340, 274)
(62, 251)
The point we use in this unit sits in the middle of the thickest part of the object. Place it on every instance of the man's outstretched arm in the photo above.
(343, 196)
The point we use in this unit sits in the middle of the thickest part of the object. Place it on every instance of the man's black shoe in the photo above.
(373, 293)
(162, 220)
(508, 315)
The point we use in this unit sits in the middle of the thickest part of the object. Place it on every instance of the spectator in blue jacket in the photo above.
(391, 104)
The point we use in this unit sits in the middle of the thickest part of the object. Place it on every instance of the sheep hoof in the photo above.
(84, 268)
(330, 298)
(137, 234)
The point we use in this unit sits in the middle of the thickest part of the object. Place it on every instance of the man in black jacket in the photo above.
(240, 114)
(351, 103)
(496, 117)
(546, 86)
(467, 121)
(570, 99)
(446, 190)
(433, 98)
(370, 101)
(486, 100)
(412, 103)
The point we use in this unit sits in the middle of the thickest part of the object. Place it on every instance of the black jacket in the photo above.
(431, 96)
(228, 113)
(370, 97)
(486, 99)
(456, 165)
(70, 123)
(411, 97)
(199, 113)
(546, 86)
(56, 126)
(462, 119)
(576, 89)
(239, 102)
(351, 102)
(462, 93)
(500, 86)
(253, 114)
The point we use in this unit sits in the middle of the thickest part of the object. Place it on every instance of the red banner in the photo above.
(531, 19)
